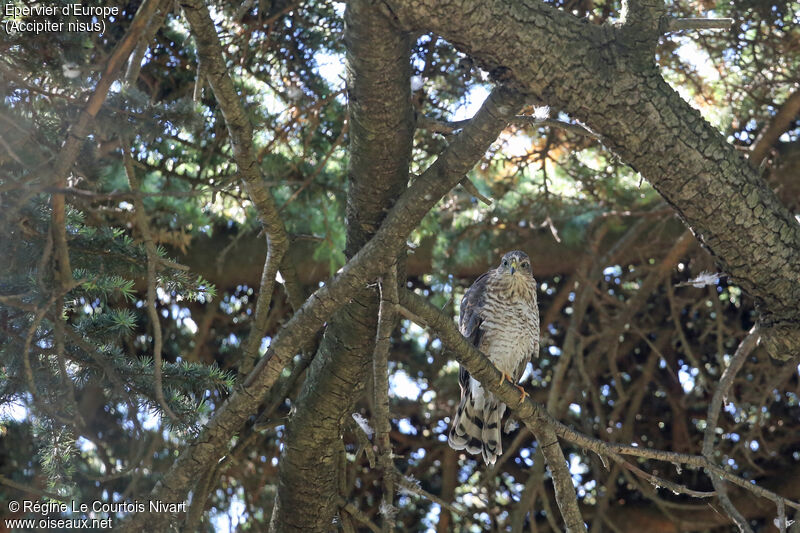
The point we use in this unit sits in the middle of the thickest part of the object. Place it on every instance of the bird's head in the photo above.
(516, 263)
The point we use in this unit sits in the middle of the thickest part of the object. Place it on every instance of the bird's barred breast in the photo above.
(509, 331)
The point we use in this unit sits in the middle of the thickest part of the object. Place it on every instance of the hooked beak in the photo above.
(513, 266)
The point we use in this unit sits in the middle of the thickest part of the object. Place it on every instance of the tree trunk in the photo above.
(381, 130)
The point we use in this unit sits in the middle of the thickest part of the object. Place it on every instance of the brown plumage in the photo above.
(500, 316)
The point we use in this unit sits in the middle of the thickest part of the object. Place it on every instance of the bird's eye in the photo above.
(505, 262)
(525, 264)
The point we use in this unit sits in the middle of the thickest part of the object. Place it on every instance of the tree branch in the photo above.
(359, 515)
(740, 356)
(779, 123)
(157, 20)
(27, 489)
(78, 131)
(387, 318)
(380, 132)
(680, 24)
(140, 218)
(240, 132)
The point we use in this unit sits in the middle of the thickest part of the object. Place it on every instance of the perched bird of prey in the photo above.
(500, 316)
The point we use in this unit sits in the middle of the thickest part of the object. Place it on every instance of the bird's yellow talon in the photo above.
(523, 393)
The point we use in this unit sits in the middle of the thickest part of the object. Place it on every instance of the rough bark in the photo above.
(381, 131)
(606, 77)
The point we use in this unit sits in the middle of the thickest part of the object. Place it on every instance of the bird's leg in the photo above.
(523, 393)
(505, 377)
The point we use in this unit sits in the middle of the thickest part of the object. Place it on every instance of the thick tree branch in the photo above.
(598, 77)
(381, 133)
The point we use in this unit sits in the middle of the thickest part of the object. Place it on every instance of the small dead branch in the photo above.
(387, 318)
(140, 218)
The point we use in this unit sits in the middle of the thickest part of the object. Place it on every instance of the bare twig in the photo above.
(659, 482)
(387, 318)
(408, 485)
(740, 356)
(449, 127)
(199, 81)
(124, 195)
(440, 126)
(140, 217)
(473, 190)
(30, 490)
(678, 24)
(529, 493)
(359, 515)
(744, 350)
(579, 129)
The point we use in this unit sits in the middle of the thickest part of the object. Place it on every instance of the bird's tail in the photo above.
(476, 427)
(490, 435)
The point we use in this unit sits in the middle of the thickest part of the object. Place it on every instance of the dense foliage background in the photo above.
(631, 350)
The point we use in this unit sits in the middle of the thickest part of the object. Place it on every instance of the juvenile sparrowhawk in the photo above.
(500, 316)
